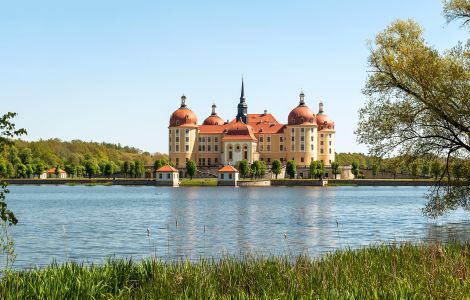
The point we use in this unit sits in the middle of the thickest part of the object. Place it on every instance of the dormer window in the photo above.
(177, 123)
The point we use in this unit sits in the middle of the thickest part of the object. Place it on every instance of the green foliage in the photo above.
(91, 168)
(137, 168)
(258, 169)
(384, 272)
(191, 168)
(316, 169)
(419, 105)
(375, 169)
(244, 168)
(291, 169)
(160, 163)
(336, 169)
(276, 167)
(355, 169)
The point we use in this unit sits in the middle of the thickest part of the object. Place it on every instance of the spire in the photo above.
(183, 101)
(242, 97)
(214, 113)
(320, 107)
(302, 98)
(242, 114)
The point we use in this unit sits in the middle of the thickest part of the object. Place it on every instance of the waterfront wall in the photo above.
(298, 182)
(378, 182)
(254, 183)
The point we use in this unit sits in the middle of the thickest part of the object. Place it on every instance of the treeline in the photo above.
(426, 166)
(78, 158)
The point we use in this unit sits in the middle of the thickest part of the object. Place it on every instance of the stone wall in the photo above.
(378, 182)
(254, 183)
(298, 182)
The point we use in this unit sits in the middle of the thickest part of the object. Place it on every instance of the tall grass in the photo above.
(381, 272)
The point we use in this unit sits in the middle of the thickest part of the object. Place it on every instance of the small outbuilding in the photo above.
(228, 176)
(167, 176)
(51, 173)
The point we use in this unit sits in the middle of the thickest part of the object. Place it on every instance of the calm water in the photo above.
(88, 224)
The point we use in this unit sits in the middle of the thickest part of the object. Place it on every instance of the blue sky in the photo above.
(114, 70)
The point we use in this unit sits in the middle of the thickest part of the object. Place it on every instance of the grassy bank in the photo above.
(199, 182)
(389, 272)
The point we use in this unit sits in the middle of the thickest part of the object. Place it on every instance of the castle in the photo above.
(251, 137)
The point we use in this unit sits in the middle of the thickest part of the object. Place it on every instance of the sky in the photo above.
(114, 71)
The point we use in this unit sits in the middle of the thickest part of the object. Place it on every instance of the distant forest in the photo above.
(77, 158)
(90, 159)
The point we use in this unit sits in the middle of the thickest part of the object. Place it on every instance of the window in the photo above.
(311, 138)
(321, 151)
(160, 176)
(222, 176)
(200, 148)
(329, 135)
(187, 139)
(187, 148)
(261, 148)
(321, 135)
(177, 161)
(200, 139)
(203, 139)
(177, 148)
(281, 139)
(302, 130)
(269, 160)
(169, 139)
(216, 160)
(330, 161)
(329, 150)
(281, 147)
(268, 148)
(177, 139)
(302, 147)
(209, 148)
(301, 159)
(216, 148)
(209, 139)
(186, 159)
(168, 176)
(311, 130)
(177, 132)
(329, 143)
(170, 148)
(292, 130)
(260, 139)
(292, 148)
(292, 138)
(321, 143)
(230, 176)
(199, 162)
(268, 139)
(216, 139)
(187, 131)
(203, 161)
(311, 147)
(209, 161)
(302, 138)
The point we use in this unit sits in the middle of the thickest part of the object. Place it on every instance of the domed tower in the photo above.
(182, 134)
(326, 137)
(213, 119)
(301, 134)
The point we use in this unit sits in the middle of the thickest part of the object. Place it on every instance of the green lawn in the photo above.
(380, 272)
(199, 182)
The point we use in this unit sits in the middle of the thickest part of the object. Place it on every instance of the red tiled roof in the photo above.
(211, 129)
(238, 138)
(227, 169)
(264, 123)
(52, 171)
(167, 168)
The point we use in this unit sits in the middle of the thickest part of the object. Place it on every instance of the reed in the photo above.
(378, 272)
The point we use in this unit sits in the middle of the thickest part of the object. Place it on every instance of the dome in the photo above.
(324, 122)
(183, 116)
(301, 114)
(213, 120)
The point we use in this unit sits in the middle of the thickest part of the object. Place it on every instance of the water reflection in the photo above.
(192, 222)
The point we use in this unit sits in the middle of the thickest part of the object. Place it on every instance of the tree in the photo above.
(109, 169)
(39, 168)
(320, 170)
(419, 105)
(244, 168)
(291, 169)
(138, 168)
(425, 169)
(3, 169)
(126, 167)
(25, 156)
(191, 168)
(21, 170)
(57, 171)
(312, 170)
(436, 169)
(335, 168)
(91, 168)
(276, 167)
(414, 168)
(71, 169)
(375, 169)
(355, 169)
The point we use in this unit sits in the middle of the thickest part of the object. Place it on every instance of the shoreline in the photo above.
(243, 183)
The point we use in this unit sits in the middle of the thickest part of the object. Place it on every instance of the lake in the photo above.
(91, 223)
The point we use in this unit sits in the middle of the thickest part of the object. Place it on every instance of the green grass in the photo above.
(199, 182)
(381, 272)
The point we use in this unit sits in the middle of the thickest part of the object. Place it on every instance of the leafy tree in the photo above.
(335, 168)
(25, 156)
(191, 168)
(91, 168)
(109, 169)
(81, 170)
(71, 169)
(126, 167)
(414, 168)
(418, 103)
(261, 168)
(3, 169)
(158, 164)
(320, 169)
(291, 169)
(132, 168)
(21, 170)
(312, 170)
(57, 171)
(436, 169)
(458, 170)
(355, 169)
(29, 170)
(244, 168)
(276, 167)
(425, 169)
(138, 168)
(39, 168)
(375, 169)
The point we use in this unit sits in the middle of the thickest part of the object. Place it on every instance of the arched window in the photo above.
(230, 152)
(245, 152)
